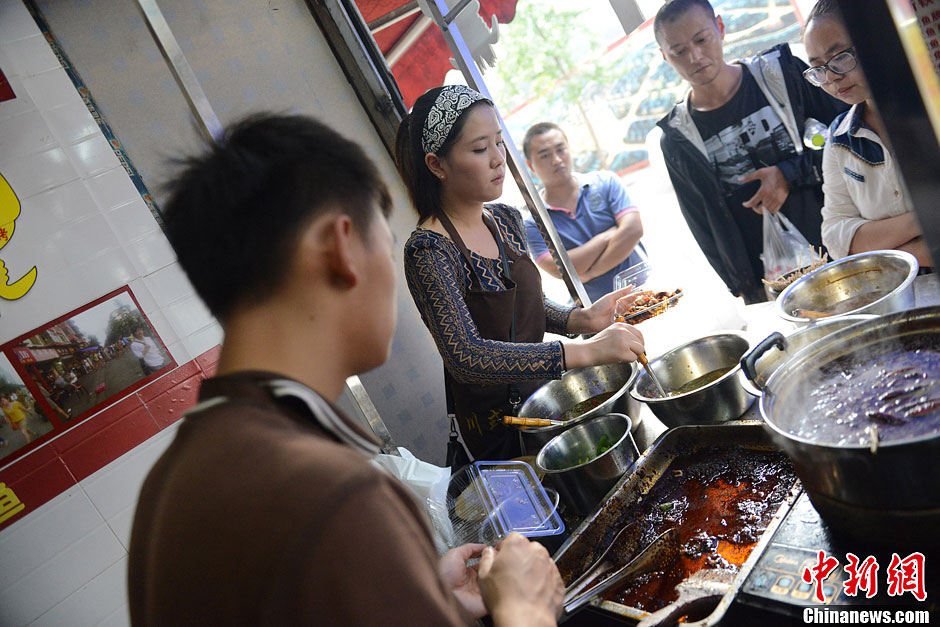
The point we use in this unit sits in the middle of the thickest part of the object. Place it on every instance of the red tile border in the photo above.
(110, 443)
(98, 440)
(170, 406)
(27, 465)
(171, 379)
(88, 428)
(209, 360)
(39, 487)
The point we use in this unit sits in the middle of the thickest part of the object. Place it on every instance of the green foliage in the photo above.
(545, 55)
(124, 321)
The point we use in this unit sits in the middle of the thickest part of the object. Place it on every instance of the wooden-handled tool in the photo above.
(531, 422)
(811, 313)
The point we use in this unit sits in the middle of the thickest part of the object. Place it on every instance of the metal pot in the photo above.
(557, 397)
(878, 282)
(760, 363)
(872, 489)
(722, 399)
(571, 463)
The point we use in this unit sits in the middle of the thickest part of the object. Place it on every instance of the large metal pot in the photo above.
(722, 399)
(573, 466)
(875, 282)
(554, 399)
(760, 363)
(888, 489)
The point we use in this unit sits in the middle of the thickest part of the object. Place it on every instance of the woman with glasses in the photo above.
(866, 207)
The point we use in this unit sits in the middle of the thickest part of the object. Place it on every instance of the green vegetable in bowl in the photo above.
(603, 445)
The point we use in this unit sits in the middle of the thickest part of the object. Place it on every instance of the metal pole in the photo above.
(904, 84)
(468, 67)
(162, 35)
(209, 124)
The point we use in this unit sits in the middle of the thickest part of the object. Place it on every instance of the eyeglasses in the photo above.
(840, 64)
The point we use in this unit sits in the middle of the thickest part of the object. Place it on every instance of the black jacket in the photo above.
(701, 199)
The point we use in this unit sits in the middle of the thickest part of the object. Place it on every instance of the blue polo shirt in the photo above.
(601, 201)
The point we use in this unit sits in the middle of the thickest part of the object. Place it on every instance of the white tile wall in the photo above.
(15, 21)
(93, 603)
(38, 589)
(71, 122)
(92, 155)
(85, 226)
(30, 174)
(66, 563)
(114, 488)
(27, 131)
(30, 56)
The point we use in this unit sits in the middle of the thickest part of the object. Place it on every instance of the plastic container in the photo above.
(636, 275)
(487, 501)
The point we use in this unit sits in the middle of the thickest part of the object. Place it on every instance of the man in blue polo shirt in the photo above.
(598, 225)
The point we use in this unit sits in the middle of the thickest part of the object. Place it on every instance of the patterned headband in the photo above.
(449, 104)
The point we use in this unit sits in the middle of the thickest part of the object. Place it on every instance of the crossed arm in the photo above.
(603, 252)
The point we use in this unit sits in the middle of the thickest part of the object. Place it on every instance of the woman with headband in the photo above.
(476, 288)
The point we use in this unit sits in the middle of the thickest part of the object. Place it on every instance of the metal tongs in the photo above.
(660, 553)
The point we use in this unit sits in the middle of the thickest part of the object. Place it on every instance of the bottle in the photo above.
(815, 134)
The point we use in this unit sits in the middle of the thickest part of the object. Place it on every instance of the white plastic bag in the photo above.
(429, 484)
(785, 248)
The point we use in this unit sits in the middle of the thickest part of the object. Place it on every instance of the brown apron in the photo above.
(515, 314)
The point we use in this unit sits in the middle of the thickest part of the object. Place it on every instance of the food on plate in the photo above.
(780, 283)
(648, 305)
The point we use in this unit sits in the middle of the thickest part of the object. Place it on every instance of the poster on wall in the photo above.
(22, 420)
(80, 363)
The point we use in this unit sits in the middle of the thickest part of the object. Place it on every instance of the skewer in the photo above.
(646, 365)
(811, 313)
(532, 422)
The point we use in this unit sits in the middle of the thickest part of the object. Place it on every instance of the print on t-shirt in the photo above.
(757, 141)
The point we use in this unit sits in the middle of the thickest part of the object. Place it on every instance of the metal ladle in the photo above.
(657, 555)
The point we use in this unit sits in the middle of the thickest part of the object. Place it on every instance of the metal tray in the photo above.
(596, 529)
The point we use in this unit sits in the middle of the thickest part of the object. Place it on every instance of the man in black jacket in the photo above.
(733, 147)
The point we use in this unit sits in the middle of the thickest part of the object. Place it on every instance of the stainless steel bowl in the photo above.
(766, 362)
(722, 399)
(555, 398)
(876, 282)
(573, 467)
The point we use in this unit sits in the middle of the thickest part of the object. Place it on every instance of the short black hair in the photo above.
(674, 9)
(236, 212)
(534, 131)
(423, 187)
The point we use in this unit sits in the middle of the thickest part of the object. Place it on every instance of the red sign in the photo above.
(6, 90)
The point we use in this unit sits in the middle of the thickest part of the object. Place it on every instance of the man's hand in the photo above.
(463, 581)
(520, 583)
(773, 191)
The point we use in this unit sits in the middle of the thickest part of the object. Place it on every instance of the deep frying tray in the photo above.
(599, 528)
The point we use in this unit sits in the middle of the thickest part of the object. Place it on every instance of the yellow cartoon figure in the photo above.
(9, 212)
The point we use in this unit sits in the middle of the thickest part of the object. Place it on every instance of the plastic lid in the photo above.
(636, 275)
(490, 500)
